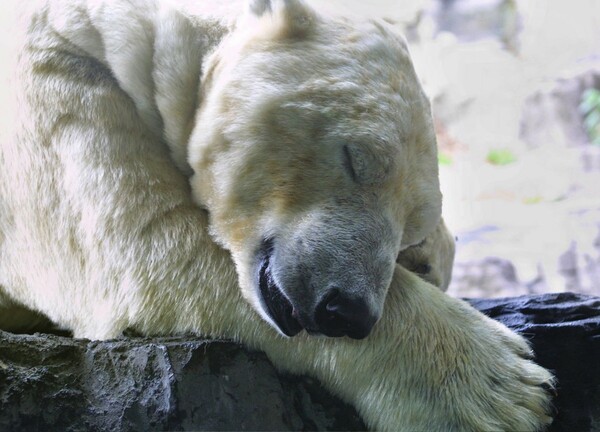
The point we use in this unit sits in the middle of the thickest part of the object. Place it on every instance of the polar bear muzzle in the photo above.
(335, 313)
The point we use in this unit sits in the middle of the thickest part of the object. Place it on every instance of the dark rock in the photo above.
(564, 329)
(54, 383)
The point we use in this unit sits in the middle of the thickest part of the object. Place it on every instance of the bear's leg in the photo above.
(432, 363)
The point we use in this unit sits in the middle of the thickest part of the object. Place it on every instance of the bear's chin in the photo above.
(274, 302)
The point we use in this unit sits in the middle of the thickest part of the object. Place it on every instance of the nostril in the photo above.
(332, 301)
(340, 315)
(341, 307)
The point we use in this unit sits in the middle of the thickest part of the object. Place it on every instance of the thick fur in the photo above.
(432, 259)
(149, 154)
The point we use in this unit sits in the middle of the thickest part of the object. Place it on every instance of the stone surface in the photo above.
(551, 115)
(51, 383)
(472, 20)
(55, 383)
(497, 276)
(564, 329)
(531, 249)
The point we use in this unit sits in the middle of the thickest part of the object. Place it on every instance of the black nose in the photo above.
(341, 315)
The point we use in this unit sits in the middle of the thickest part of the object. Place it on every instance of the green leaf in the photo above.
(501, 157)
(444, 159)
(533, 199)
(592, 120)
(590, 101)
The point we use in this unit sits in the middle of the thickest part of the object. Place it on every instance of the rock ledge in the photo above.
(55, 383)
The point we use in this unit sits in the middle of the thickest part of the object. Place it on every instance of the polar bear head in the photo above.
(315, 155)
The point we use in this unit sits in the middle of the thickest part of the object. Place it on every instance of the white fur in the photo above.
(117, 103)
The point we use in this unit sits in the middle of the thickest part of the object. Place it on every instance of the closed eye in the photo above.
(422, 268)
(348, 164)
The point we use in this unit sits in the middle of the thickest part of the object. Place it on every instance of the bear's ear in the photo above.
(294, 16)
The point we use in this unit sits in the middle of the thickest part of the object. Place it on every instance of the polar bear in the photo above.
(255, 178)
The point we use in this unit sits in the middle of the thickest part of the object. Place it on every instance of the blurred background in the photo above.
(515, 88)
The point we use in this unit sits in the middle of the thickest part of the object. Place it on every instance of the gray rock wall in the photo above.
(51, 383)
(54, 383)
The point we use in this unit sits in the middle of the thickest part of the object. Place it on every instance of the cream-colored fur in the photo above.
(432, 259)
(306, 130)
